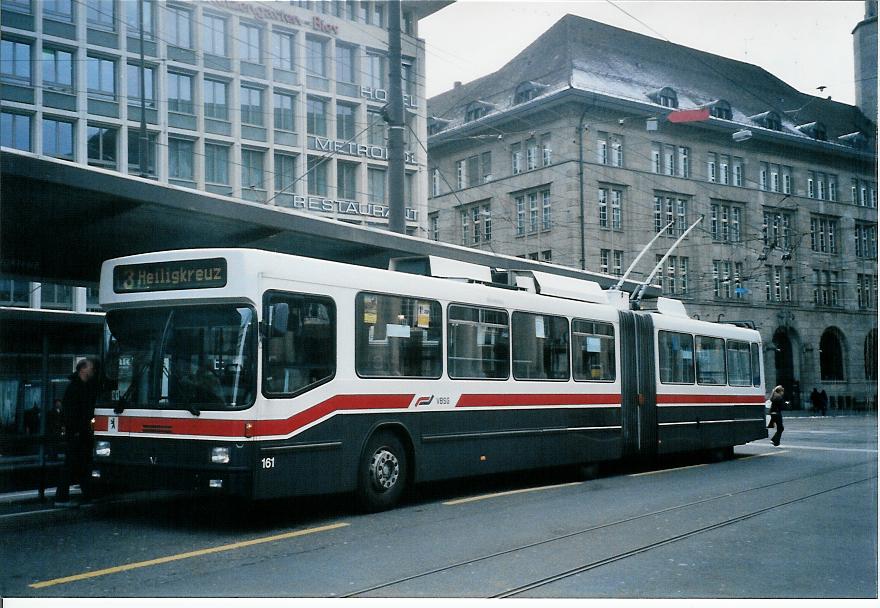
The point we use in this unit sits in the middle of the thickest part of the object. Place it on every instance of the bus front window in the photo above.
(191, 358)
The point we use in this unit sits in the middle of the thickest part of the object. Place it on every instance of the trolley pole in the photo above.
(396, 125)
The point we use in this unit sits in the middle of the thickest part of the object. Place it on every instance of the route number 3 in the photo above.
(269, 463)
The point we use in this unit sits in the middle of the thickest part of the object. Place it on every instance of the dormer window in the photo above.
(477, 109)
(435, 125)
(816, 130)
(857, 140)
(666, 97)
(527, 90)
(721, 109)
(768, 120)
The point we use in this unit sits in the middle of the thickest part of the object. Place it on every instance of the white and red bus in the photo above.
(263, 375)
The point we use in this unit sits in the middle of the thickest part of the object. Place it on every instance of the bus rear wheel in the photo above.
(382, 473)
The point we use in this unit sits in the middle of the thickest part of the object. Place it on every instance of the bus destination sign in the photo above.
(166, 276)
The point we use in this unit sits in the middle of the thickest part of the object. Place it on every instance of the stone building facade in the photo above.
(594, 139)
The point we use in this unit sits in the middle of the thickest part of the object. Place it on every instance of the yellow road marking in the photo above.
(693, 466)
(497, 494)
(180, 556)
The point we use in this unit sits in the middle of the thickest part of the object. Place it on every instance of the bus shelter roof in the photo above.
(60, 220)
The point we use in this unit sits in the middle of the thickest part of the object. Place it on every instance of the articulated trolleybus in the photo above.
(262, 375)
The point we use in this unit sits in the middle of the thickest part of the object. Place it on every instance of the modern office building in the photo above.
(594, 139)
(277, 103)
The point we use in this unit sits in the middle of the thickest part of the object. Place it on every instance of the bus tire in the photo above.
(382, 472)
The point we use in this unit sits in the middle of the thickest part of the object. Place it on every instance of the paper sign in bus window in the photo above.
(539, 327)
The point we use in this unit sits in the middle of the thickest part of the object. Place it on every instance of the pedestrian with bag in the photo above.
(777, 403)
(78, 407)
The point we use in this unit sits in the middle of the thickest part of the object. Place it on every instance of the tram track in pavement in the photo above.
(581, 568)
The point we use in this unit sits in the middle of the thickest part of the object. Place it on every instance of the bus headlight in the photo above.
(102, 449)
(220, 455)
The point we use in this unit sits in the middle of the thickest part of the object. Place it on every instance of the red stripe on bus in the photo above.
(731, 399)
(236, 428)
(544, 399)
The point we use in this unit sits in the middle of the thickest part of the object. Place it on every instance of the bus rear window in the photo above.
(397, 337)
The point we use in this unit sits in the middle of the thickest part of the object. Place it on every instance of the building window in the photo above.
(669, 160)
(134, 85)
(345, 63)
(832, 188)
(826, 288)
(216, 105)
(252, 169)
(101, 14)
(217, 164)
(722, 279)
(249, 40)
(376, 185)
(316, 57)
(476, 224)
(178, 23)
(102, 145)
(546, 150)
(15, 131)
(15, 62)
(214, 34)
(724, 169)
(375, 128)
(546, 210)
(316, 116)
(375, 71)
(131, 18)
(737, 171)
(516, 158)
(61, 10)
(721, 109)
(671, 208)
(58, 138)
(866, 291)
(285, 172)
(435, 182)
(251, 106)
(684, 161)
(617, 270)
(486, 167)
(316, 168)
(786, 180)
(531, 155)
(520, 215)
(346, 180)
(777, 229)
(476, 110)
(134, 153)
(674, 278)
(726, 222)
(180, 97)
(866, 240)
(460, 174)
(712, 167)
(823, 234)
(57, 69)
(434, 226)
(283, 54)
(180, 159)
(102, 78)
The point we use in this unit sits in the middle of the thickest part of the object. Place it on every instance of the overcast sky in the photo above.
(806, 44)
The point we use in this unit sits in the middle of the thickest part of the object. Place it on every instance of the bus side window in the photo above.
(593, 351)
(305, 354)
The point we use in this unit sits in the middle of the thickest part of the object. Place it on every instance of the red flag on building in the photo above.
(689, 115)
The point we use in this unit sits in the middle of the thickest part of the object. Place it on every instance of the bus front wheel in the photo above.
(382, 472)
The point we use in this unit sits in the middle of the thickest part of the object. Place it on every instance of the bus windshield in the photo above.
(186, 357)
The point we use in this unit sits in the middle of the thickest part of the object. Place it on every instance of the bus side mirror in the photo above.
(278, 315)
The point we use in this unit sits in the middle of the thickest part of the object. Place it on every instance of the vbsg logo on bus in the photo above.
(166, 276)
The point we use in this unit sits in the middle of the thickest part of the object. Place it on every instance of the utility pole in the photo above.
(396, 125)
(142, 140)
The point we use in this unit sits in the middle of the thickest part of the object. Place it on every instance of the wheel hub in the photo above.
(384, 469)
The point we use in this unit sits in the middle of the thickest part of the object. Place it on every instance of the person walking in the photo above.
(776, 405)
(78, 407)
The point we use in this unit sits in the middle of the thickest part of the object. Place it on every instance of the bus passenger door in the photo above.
(638, 385)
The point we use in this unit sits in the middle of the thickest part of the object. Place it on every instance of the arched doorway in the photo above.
(784, 361)
(831, 356)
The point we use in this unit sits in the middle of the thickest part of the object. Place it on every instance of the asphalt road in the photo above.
(798, 521)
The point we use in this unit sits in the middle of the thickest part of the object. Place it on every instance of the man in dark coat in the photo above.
(78, 407)
(777, 403)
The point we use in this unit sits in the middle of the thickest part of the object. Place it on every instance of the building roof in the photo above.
(583, 54)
